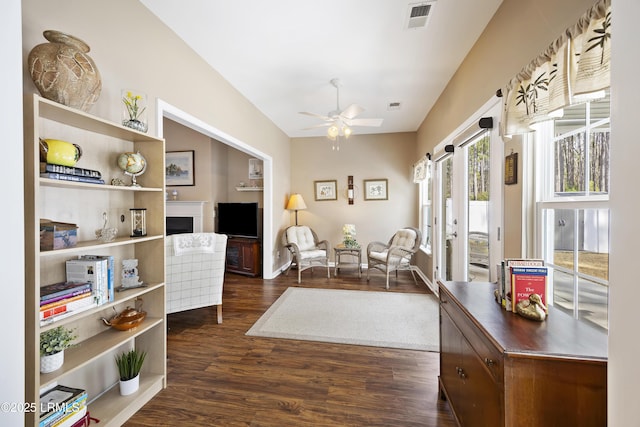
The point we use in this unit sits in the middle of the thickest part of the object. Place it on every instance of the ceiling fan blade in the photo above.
(318, 116)
(323, 125)
(351, 111)
(364, 122)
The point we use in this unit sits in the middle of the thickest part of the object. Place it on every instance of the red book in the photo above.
(526, 281)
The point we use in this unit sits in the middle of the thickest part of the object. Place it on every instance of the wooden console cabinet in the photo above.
(500, 369)
(243, 256)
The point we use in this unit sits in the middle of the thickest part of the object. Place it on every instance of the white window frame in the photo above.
(544, 142)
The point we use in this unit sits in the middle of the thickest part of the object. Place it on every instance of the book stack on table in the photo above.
(69, 173)
(519, 278)
(62, 406)
(63, 299)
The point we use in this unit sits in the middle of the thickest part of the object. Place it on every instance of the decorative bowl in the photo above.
(128, 319)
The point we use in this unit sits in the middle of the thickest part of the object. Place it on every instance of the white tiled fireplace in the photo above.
(186, 209)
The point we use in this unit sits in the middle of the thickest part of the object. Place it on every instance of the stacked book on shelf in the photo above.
(62, 406)
(64, 299)
(98, 270)
(70, 173)
(519, 278)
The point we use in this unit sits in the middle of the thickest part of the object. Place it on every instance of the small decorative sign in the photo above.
(511, 169)
(130, 277)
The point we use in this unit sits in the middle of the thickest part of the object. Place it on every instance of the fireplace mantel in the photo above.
(187, 208)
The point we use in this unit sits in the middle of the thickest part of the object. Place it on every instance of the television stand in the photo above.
(243, 256)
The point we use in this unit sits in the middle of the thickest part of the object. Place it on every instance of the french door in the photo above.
(468, 201)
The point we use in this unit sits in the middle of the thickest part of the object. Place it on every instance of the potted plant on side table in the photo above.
(129, 365)
(52, 345)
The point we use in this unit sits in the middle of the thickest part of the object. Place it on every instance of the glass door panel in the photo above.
(478, 198)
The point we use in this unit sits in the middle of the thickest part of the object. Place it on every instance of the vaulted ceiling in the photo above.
(282, 54)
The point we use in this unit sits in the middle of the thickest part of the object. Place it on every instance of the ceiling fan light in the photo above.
(333, 132)
(347, 131)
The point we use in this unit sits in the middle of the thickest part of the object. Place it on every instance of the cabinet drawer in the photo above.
(491, 356)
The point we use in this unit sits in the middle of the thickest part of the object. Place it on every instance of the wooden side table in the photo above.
(351, 252)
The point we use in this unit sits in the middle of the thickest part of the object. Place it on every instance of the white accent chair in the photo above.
(395, 255)
(306, 249)
(195, 264)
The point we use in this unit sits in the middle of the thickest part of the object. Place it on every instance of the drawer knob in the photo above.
(489, 362)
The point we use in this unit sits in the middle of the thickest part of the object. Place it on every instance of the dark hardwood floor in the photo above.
(217, 376)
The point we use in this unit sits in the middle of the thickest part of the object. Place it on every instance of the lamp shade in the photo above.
(296, 202)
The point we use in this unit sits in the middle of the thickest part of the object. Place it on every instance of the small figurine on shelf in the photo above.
(106, 234)
(532, 308)
(130, 277)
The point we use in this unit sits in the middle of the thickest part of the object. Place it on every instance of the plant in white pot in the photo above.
(52, 345)
(129, 365)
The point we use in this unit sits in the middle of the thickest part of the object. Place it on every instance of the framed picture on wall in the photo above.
(255, 169)
(376, 189)
(180, 168)
(325, 190)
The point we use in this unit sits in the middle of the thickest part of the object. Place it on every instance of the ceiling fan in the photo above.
(340, 122)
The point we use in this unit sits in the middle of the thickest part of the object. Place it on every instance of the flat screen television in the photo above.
(238, 219)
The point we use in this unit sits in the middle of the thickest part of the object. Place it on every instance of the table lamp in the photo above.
(296, 203)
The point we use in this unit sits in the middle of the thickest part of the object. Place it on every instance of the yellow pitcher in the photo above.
(59, 152)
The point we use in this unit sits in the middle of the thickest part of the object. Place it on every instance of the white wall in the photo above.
(12, 259)
(624, 296)
(387, 156)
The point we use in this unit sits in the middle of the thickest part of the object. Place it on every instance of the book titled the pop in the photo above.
(526, 281)
(506, 277)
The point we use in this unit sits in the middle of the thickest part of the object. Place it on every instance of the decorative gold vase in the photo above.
(63, 72)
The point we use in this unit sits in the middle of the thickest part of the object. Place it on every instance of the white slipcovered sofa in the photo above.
(195, 264)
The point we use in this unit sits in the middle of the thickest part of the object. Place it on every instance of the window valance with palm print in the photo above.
(573, 66)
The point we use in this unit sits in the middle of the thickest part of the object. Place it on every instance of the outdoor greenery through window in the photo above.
(574, 209)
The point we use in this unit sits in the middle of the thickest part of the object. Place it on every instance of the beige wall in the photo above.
(518, 32)
(152, 59)
(387, 156)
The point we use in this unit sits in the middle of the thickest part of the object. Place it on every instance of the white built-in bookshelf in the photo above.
(90, 363)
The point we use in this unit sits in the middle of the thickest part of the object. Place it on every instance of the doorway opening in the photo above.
(166, 110)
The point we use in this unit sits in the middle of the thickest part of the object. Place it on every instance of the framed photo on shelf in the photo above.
(180, 168)
(326, 190)
(376, 189)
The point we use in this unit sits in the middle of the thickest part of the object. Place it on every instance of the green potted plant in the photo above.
(52, 345)
(129, 365)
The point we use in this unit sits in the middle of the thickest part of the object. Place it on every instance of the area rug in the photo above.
(380, 319)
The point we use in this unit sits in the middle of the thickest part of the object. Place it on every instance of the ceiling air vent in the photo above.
(418, 14)
(393, 106)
